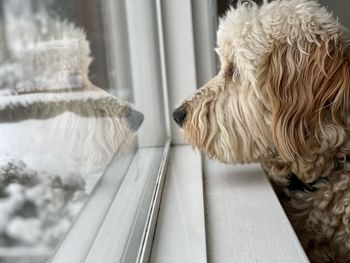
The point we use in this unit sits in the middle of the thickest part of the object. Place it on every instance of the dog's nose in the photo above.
(179, 116)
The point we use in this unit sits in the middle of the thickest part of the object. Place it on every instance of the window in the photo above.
(77, 79)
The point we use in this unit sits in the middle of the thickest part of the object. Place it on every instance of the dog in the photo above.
(282, 98)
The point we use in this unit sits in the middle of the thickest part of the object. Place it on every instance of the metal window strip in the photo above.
(149, 231)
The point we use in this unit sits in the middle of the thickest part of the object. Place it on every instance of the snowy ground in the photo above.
(37, 208)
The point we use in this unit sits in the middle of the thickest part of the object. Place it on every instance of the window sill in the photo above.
(245, 221)
(180, 233)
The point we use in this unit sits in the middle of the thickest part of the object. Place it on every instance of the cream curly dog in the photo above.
(282, 98)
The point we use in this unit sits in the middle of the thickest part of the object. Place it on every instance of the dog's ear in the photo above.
(309, 95)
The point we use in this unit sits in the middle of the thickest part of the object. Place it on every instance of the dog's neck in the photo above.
(302, 172)
(294, 183)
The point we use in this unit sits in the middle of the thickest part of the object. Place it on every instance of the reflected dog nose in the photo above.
(134, 119)
(179, 116)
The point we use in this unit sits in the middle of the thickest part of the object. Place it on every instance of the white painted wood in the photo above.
(245, 221)
(204, 23)
(117, 49)
(165, 87)
(180, 55)
(146, 70)
(180, 233)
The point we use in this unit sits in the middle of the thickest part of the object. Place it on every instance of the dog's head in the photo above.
(283, 88)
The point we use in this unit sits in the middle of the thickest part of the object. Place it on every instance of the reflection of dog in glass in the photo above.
(58, 132)
(282, 98)
(45, 82)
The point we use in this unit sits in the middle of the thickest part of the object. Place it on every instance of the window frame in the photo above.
(83, 241)
(175, 84)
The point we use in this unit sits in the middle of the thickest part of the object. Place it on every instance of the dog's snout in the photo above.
(179, 116)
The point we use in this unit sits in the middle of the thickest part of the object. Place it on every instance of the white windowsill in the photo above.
(245, 221)
(180, 233)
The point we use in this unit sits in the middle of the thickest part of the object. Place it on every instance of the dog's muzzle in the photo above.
(179, 116)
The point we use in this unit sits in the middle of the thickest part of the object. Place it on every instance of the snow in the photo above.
(37, 208)
(26, 230)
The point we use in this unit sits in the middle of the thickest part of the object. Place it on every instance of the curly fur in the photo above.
(282, 98)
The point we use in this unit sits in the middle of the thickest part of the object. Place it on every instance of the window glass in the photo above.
(68, 100)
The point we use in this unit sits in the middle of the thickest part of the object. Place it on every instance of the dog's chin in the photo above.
(212, 151)
(221, 159)
(228, 159)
